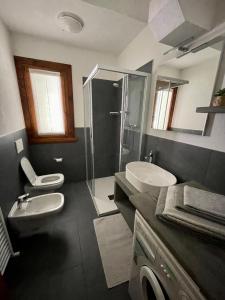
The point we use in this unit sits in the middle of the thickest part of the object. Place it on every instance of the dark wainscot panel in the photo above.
(73, 154)
(188, 162)
(12, 178)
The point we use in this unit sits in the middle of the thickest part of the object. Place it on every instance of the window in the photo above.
(47, 100)
(165, 98)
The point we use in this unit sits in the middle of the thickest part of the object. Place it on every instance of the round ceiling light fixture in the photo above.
(70, 22)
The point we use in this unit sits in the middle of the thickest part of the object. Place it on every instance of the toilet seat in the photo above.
(50, 180)
(44, 182)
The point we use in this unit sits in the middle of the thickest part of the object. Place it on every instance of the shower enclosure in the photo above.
(114, 117)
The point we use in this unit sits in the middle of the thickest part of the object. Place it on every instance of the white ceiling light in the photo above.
(70, 22)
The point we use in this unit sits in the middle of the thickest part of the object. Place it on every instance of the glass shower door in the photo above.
(88, 133)
(118, 125)
(133, 101)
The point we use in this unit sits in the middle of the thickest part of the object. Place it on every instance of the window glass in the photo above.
(48, 102)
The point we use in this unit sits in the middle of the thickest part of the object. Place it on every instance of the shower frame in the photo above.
(124, 102)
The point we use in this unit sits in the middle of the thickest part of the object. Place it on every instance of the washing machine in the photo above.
(156, 274)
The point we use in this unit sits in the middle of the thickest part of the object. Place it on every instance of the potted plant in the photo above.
(219, 99)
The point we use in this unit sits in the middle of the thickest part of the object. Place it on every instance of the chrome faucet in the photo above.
(149, 157)
(21, 199)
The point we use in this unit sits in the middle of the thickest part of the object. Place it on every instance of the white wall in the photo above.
(82, 61)
(197, 93)
(11, 116)
(145, 48)
(141, 50)
(168, 71)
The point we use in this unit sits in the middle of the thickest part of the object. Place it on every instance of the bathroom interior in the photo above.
(112, 144)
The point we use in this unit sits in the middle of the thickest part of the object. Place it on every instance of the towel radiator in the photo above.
(6, 249)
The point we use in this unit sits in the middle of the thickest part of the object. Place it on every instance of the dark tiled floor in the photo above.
(62, 261)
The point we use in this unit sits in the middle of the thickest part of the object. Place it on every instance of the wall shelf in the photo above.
(211, 109)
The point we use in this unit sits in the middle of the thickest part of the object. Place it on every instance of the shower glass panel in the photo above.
(88, 133)
(114, 106)
(132, 119)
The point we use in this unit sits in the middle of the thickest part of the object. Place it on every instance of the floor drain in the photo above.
(111, 197)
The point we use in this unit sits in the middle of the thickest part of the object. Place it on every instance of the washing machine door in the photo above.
(150, 286)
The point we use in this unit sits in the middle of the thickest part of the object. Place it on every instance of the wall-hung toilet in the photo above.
(45, 183)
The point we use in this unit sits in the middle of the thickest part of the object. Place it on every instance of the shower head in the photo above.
(116, 85)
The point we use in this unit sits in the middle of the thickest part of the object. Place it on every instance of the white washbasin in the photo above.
(35, 213)
(144, 175)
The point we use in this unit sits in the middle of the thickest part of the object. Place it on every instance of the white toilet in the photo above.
(37, 183)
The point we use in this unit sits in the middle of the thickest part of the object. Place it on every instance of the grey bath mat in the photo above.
(115, 245)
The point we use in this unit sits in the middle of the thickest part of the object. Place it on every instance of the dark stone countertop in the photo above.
(201, 256)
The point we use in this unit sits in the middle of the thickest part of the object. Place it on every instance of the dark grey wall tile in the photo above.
(73, 154)
(105, 165)
(130, 151)
(188, 162)
(12, 178)
(146, 68)
(105, 98)
(215, 177)
(150, 143)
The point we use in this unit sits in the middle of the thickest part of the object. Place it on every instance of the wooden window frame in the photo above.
(23, 65)
(172, 107)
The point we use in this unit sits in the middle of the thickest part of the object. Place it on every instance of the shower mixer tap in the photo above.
(149, 157)
(117, 113)
(132, 125)
(114, 113)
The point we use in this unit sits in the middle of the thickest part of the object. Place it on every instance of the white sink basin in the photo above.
(143, 176)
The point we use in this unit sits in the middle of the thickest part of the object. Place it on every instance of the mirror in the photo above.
(182, 85)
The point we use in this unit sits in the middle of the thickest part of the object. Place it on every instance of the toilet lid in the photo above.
(28, 170)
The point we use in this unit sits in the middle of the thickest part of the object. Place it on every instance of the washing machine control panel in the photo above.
(166, 271)
(175, 279)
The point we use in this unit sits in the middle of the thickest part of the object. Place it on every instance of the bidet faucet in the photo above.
(149, 157)
(21, 199)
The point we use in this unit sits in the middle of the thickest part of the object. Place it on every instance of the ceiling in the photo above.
(133, 8)
(108, 28)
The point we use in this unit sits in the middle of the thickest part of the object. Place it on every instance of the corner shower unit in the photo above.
(115, 109)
